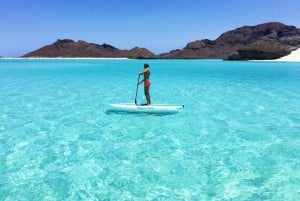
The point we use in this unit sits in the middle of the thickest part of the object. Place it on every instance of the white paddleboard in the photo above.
(147, 108)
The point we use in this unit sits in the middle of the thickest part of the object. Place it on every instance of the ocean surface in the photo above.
(238, 137)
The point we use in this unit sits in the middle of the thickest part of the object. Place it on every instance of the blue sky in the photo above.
(158, 25)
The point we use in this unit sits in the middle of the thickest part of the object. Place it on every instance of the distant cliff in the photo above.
(68, 48)
(264, 41)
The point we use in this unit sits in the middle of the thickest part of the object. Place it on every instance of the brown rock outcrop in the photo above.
(140, 53)
(261, 50)
(67, 48)
(256, 42)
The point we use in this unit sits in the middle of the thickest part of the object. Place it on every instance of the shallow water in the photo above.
(238, 137)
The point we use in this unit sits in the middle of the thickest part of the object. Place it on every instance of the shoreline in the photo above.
(294, 56)
(70, 58)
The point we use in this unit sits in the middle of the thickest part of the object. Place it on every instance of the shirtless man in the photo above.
(146, 73)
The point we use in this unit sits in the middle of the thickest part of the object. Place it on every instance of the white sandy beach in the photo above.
(294, 56)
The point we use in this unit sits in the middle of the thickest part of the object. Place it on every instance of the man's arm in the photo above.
(141, 81)
(144, 71)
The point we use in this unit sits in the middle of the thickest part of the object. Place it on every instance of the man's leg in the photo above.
(147, 95)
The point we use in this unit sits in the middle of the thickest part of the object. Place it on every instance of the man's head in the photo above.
(146, 65)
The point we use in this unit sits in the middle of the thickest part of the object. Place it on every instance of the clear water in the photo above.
(238, 137)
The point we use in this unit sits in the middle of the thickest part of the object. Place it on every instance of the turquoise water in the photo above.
(238, 137)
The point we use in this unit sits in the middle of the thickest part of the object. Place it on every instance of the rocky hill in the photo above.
(264, 41)
(67, 48)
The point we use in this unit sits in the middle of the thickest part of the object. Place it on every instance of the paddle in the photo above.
(137, 87)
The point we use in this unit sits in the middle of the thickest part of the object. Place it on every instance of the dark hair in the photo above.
(146, 65)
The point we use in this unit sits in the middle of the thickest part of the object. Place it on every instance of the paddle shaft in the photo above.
(137, 87)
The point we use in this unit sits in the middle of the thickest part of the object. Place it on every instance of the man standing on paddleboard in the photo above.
(146, 73)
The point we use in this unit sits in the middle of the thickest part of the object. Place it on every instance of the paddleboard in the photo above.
(147, 108)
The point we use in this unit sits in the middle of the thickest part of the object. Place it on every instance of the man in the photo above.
(146, 73)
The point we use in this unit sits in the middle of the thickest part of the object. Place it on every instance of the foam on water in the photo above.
(237, 138)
